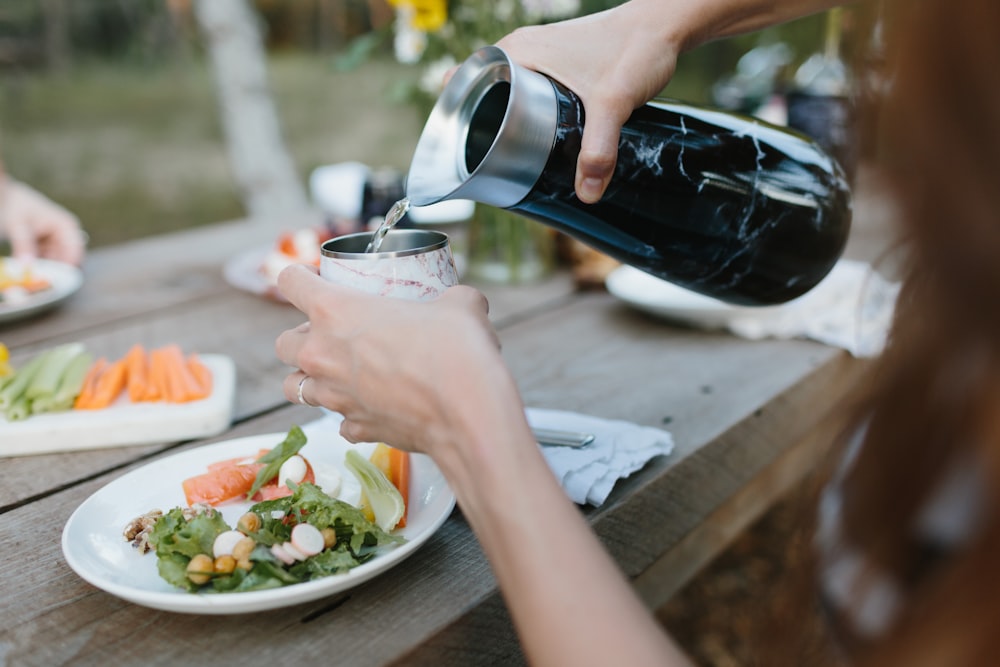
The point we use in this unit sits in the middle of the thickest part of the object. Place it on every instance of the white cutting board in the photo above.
(126, 423)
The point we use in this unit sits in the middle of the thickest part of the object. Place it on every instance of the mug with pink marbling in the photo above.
(413, 264)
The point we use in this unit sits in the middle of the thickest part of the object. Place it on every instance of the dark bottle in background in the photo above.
(719, 203)
(820, 100)
(382, 189)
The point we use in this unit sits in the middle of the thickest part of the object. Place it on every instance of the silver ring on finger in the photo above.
(301, 398)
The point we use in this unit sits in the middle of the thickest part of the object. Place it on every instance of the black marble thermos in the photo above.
(721, 204)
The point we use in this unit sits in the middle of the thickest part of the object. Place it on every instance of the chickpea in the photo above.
(243, 548)
(200, 568)
(244, 564)
(329, 537)
(224, 565)
(248, 523)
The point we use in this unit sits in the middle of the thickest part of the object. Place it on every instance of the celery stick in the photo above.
(19, 409)
(51, 405)
(16, 387)
(46, 380)
(69, 386)
(76, 372)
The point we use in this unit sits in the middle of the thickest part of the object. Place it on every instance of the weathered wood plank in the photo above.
(734, 406)
(170, 289)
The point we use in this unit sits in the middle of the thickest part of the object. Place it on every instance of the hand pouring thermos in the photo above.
(721, 204)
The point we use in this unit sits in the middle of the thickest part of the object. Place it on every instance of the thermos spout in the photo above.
(488, 137)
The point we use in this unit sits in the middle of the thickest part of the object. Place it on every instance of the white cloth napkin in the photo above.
(851, 308)
(586, 473)
(619, 449)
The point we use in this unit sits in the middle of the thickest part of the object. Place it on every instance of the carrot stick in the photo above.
(109, 385)
(156, 382)
(201, 374)
(399, 467)
(136, 375)
(183, 386)
(89, 386)
(169, 389)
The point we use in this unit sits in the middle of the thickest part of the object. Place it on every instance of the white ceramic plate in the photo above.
(658, 297)
(243, 272)
(65, 279)
(93, 545)
(126, 423)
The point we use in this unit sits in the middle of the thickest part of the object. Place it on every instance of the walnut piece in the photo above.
(137, 530)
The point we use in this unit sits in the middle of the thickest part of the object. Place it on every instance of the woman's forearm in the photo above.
(568, 599)
(691, 23)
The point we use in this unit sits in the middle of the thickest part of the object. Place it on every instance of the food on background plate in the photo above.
(293, 247)
(299, 532)
(18, 283)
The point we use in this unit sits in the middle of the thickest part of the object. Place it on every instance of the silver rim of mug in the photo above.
(397, 243)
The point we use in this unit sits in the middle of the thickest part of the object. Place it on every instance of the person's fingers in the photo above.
(354, 431)
(70, 244)
(23, 242)
(63, 241)
(291, 386)
(595, 164)
(297, 283)
(288, 344)
(468, 297)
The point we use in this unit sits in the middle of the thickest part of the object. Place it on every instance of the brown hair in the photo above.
(931, 402)
(934, 397)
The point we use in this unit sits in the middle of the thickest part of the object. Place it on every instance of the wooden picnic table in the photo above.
(746, 417)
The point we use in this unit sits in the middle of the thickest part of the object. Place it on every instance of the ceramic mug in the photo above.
(413, 264)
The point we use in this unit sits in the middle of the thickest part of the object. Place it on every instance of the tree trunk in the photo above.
(262, 166)
(57, 44)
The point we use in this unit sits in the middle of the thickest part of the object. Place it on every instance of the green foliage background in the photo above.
(124, 128)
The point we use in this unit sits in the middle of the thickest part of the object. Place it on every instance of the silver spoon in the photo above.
(548, 437)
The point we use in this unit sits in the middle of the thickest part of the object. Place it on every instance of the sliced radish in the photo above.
(307, 539)
(224, 542)
(282, 555)
(293, 552)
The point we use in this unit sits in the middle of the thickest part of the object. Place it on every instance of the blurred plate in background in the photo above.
(64, 280)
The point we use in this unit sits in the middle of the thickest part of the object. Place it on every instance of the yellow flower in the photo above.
(428, 15)
(5, 368)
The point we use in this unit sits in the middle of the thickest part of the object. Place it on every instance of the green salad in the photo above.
(279, 542)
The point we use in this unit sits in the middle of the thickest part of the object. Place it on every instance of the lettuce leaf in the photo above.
(177, 538)
(309, 503)
(174, 534)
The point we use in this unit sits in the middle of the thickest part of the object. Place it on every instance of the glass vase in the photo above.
(508, 248)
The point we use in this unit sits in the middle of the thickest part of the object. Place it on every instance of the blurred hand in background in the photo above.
(36, 226)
